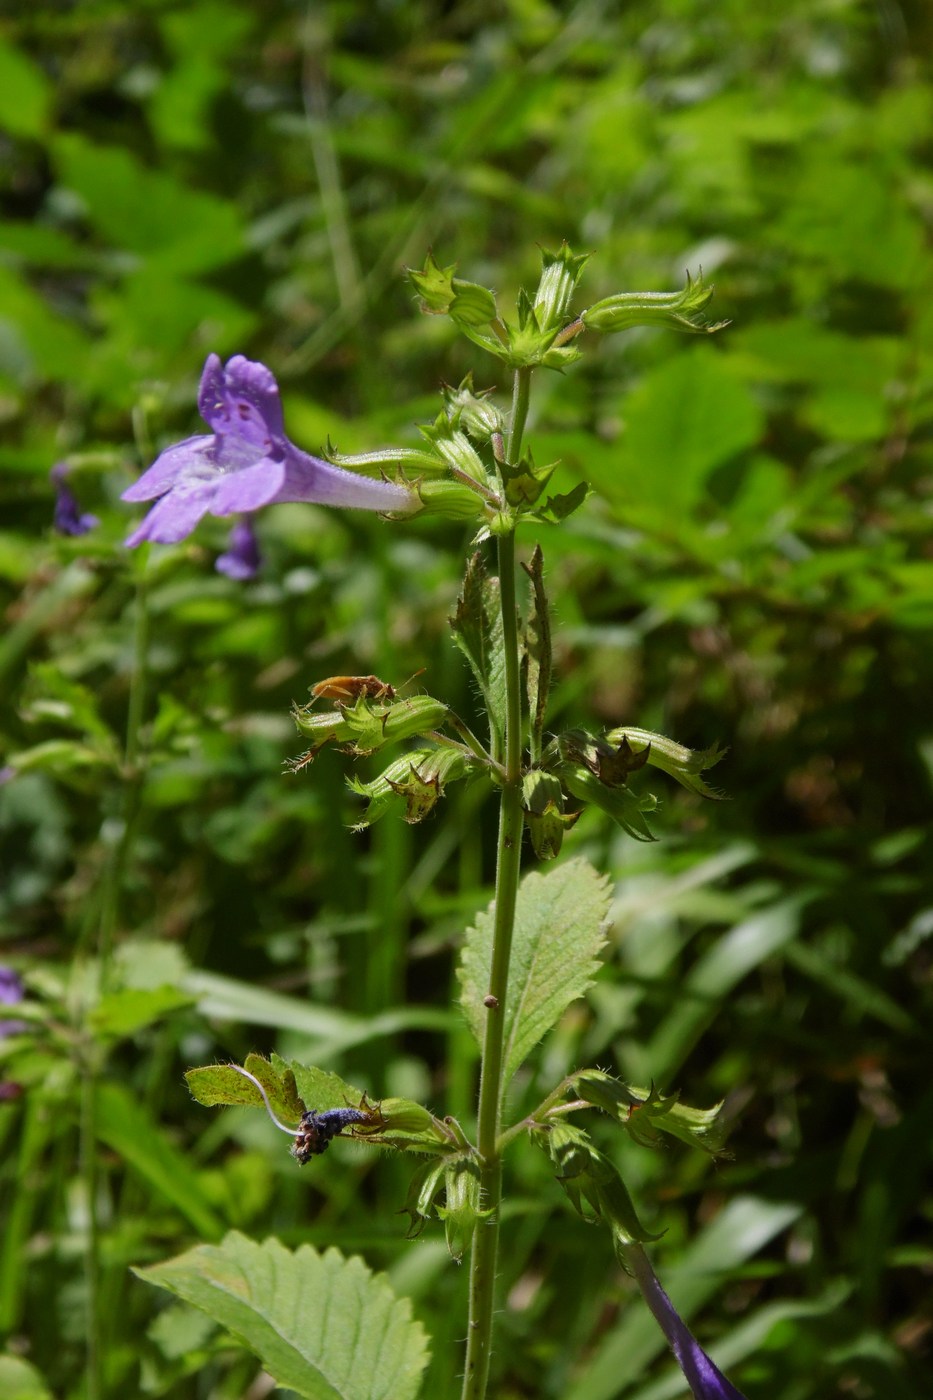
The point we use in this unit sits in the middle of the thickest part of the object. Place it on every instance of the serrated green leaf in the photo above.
(558, 508)
(477, 629)
(323, 1325)
(215, 1086)
(559, 921)
(319, 1088)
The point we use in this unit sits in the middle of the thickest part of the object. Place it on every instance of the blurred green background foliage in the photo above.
(753, 567)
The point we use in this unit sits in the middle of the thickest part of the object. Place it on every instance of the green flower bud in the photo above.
(444, 294)
(415, 459)
(475, 413)
(680, 311)
(593, 1184)
(415, 781)
(645, 1112)
(426, 1184)
(462, 1210)
(372, 726)
(322, 725)
(543, 801)
(454, 500)
(561, 271)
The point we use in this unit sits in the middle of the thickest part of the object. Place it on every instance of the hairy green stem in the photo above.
(93, 1056)
(508, 860)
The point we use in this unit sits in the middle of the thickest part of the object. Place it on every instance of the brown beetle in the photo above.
(344, 689)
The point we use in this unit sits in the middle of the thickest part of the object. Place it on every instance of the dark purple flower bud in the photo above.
(245, 463)
(242, 560)
(69, 519)
(704, 1378)
(11, 992)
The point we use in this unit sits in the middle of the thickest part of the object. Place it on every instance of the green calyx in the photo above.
(365, 726)
(413, 783)
(593, 1185)
(543, 805)
(679, 311)
(644, 1113)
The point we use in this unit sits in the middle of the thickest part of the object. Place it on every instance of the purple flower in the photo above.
(11, 992)
(68, 518)
(245, 462)
(705, 1380)
(242, 559)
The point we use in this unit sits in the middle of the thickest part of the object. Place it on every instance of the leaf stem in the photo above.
(508, 861)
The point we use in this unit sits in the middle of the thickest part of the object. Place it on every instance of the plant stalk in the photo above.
(508, 860)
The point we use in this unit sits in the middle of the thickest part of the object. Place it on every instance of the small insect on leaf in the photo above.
(345, 689)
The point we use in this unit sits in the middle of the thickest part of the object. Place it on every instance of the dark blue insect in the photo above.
(316, 1130)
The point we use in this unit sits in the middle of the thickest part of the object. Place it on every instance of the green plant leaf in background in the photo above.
(323, 1325)
(187, 230)
(686, 417)
(25, 94)
(559, 930)
(20, 1381)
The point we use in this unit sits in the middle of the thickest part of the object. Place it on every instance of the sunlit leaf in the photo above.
(559, 930)
(323, 1325)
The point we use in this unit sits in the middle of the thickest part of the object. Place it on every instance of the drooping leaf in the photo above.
(323, 1325)
(214, 1085)
(537, 650)
(559, 930)
(477, 629)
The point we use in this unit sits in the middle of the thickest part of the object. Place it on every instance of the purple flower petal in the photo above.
(194, 456)
(175, 515)
(246, 463)
(11, 992)
(249, 489)
(11, 987)
(704, 1378)
(68, 518)
(242, 400)
(242, 559)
